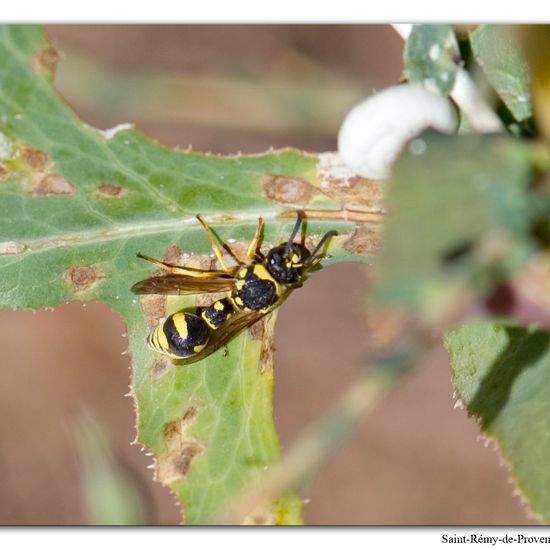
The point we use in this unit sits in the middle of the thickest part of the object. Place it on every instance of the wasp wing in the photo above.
(173, 283)
(220, 337)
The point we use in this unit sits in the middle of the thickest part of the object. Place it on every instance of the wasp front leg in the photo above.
(253, 253)
(215, 247)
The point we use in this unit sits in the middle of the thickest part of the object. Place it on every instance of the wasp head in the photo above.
(286, 263)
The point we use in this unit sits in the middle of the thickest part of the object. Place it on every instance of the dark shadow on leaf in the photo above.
(525, 347)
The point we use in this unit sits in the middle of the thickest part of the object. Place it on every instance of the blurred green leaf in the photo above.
(443, 201)
(504, 65)
(110, 493)
(502, 374)
(430, 55)
(76, 205)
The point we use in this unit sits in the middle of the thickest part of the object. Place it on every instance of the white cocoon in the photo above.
(375, 131)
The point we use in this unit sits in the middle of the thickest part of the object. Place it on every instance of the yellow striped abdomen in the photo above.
(181, 335)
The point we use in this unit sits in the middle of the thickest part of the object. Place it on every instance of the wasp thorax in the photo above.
(287, 267)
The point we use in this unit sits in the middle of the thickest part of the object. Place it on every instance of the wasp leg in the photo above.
(216, 248)
(252, 251)
(180, 270)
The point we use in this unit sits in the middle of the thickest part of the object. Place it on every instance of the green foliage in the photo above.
(463, 212)
(502, 374)
(76, 205)
(506, 69)
(430, 57)
(471, 189)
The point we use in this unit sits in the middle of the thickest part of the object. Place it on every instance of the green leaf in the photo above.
(443, 201)
(430, 57)
(502, 374)
(76, 205)
(506, 69)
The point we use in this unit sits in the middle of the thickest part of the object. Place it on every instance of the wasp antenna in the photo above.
(299, 220)
(317, 251)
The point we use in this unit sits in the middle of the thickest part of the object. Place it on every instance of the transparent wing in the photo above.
(173, 283)
(231, 328)
(220, 337)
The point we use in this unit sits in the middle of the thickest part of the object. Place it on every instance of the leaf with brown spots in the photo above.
(83, 278)
(53, 184)
(77, 205)
(110, 191)
(295, 191)
(35, 158)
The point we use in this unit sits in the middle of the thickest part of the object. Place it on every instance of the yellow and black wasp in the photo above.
(254, 288)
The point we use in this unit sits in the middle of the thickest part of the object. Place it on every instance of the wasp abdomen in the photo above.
(182, 334)
(217, 313)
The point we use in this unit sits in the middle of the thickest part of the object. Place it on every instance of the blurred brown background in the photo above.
(224, 89)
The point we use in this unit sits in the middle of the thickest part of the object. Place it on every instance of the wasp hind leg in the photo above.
(180, 270)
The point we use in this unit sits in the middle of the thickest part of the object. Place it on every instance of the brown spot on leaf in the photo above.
(176, 427)
(173, 255)
(160, 368)
(363, 240)
(239, 248)
(189, 415)
(35, 158)
(110, 191)
(154, 308)
(356, 192)
(339, 183)
(53, 184)
(257, 330)
(46, 60)
(263, 331)
(181, 450)
(289, 190)
(268, 346)
(182, 462)
(266, 357)
(171, 429)
(4, 172)
(83, 277)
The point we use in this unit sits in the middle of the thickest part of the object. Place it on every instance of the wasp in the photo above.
(253, 289)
